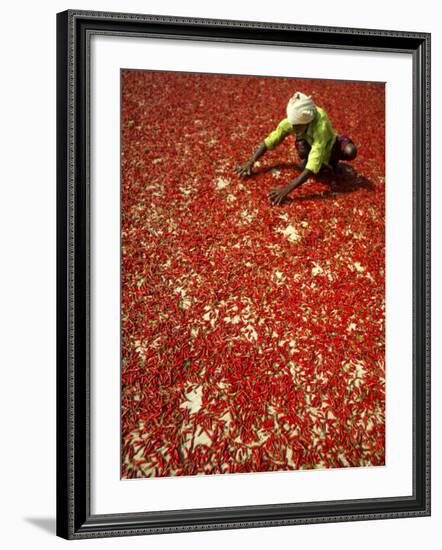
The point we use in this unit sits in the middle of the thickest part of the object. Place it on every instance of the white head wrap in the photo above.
(300, 109)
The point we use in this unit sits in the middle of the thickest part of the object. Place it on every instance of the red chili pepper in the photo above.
(182, 254)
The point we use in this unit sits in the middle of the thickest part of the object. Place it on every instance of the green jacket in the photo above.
(319, 134)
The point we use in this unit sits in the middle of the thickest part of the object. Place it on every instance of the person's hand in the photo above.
(277, 195)
(244, 169)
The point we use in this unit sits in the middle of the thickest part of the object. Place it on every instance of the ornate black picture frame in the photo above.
(74, 518)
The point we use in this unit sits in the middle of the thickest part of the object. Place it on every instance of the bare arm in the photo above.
(276, 196)
(246, 168)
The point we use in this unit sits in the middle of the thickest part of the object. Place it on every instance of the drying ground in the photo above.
(252, 335)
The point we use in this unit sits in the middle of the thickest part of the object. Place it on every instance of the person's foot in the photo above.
(337, 168)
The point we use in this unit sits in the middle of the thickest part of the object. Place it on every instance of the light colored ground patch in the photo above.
(343, 460)
(186, 190)
(222, 167)
(322, 270)
(249, 333)
(234, 320)
(289, 457)
(356, 371)
(201, 438)
(359, 268)
(247, 216)
(278, 277)
(262, 438)
(242, 187)
(139, 347)
(193, 399)
(221, 183)
(137, 439)
(316, 269)
(226, 417)
(290, 233)
(185, 301)
(244, 317)
(211, 315)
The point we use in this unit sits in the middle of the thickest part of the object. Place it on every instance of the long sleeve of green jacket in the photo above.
(319, 134)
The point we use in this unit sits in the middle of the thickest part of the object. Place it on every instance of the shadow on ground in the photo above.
(46, 524)
(347, 181)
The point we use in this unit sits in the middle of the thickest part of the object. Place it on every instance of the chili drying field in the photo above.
(252, 335)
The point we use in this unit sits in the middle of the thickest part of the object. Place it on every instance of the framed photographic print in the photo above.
(243, 277)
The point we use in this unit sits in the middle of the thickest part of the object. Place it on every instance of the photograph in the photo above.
(252, 274)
